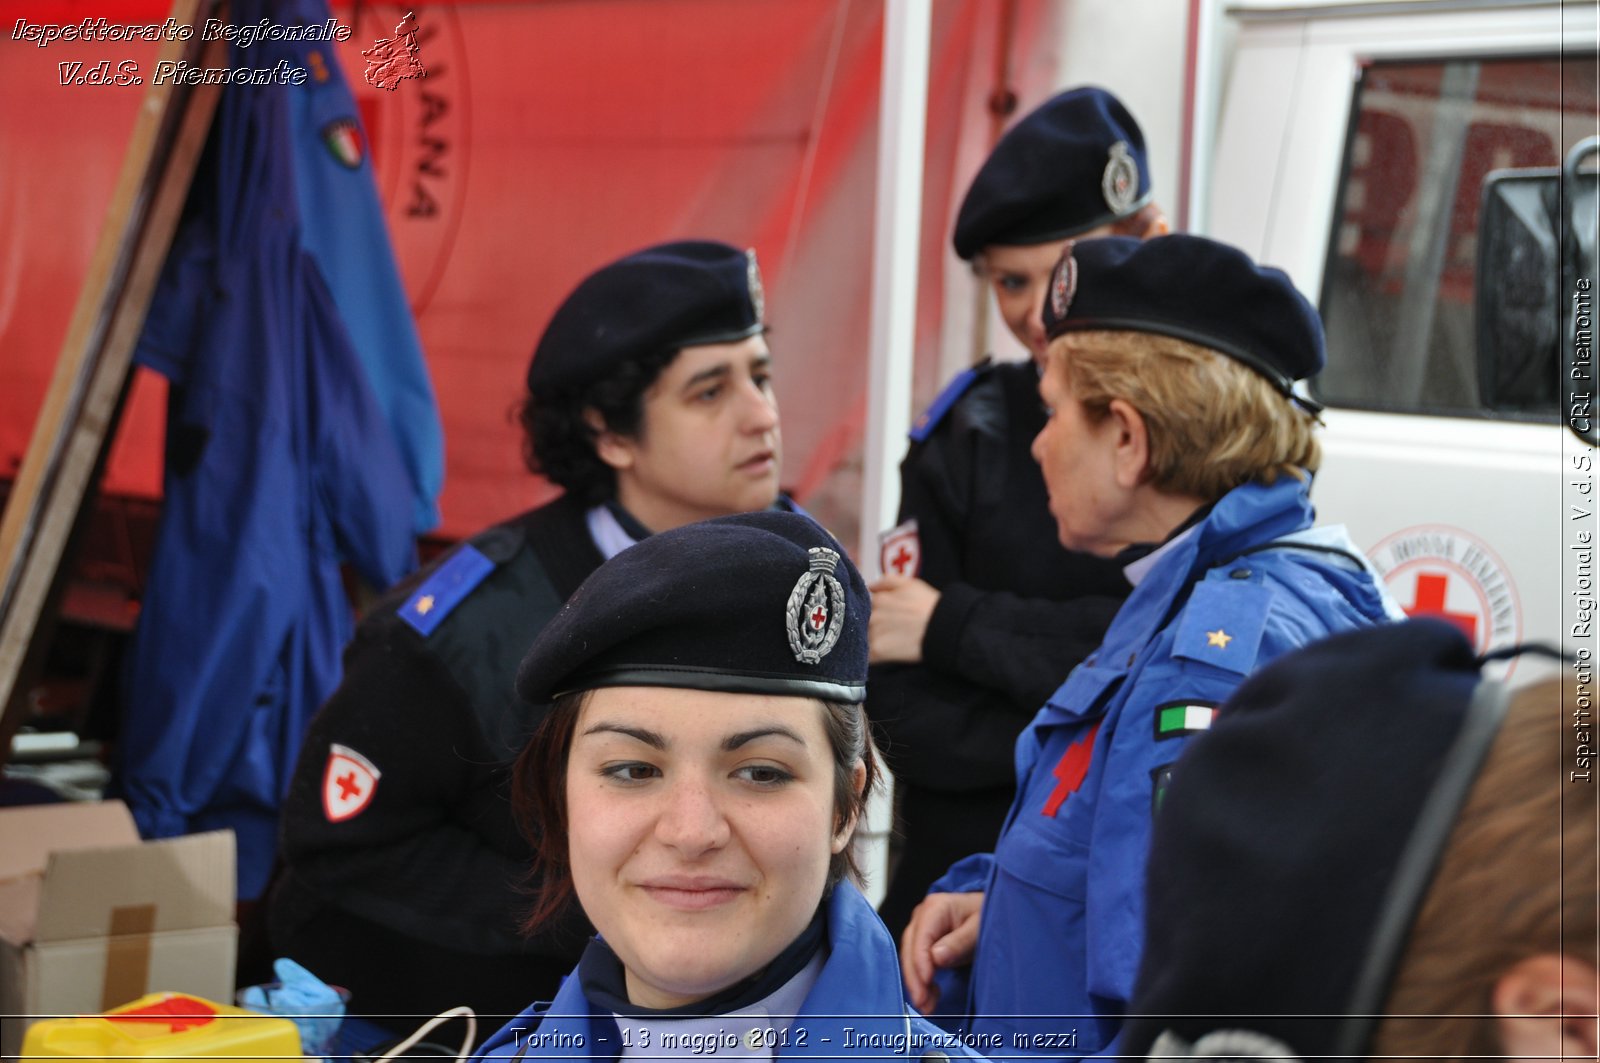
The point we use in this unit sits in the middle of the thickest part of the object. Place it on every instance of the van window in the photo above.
(1397, 295)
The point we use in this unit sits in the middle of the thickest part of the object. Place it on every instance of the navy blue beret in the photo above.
(1297, 839)
(662, 298)
(1074, 163)
(1190, 288)
(763, 603)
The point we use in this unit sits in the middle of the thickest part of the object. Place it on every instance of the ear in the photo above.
(613, 449)
(1157, 227)
(1131, 450)
(858, 783)
(1544, 1007)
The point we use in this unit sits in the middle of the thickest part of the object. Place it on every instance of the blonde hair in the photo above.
(1213, 423)
(1142, 224)
(1517, 880)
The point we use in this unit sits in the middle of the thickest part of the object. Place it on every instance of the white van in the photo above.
(1403, 162)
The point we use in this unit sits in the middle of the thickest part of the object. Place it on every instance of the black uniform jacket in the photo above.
(1017, 611)
(426, 719)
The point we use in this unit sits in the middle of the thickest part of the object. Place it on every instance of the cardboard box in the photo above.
(92, 918)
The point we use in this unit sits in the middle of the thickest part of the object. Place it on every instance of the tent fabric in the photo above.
(547, 138)
(279, 463)
(550, 138)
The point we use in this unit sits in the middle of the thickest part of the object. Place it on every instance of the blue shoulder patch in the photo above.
(1223, 622)
(924, 425)
(444, 589)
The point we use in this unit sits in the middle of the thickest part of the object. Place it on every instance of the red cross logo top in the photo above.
(348, 783)
(819, 618)
(1070, 771)
(1432, 590)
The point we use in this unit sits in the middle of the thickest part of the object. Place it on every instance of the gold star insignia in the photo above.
(425, 605)
(1218, 638)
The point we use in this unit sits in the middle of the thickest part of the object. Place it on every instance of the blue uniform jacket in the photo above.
(278, 464)
(856, 1010)
(1063, 915)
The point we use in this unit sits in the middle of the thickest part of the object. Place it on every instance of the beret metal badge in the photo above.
(752, 277)
(816, 608)
(1224, 1046)
(1119, 184)
(1064, 284)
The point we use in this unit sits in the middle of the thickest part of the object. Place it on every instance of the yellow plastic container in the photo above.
(166, 1026)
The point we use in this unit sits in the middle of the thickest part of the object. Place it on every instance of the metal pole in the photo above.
(897, 221)
(902, 116)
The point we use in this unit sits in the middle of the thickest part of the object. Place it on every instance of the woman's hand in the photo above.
(901, 609)
(943, 932)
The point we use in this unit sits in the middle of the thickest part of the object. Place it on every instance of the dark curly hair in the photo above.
(558, 444)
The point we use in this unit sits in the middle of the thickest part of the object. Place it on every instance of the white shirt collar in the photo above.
(608, 535)
(1138, 570)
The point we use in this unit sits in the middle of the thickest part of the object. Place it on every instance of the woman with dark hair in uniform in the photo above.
(649, 400)
(695, 787)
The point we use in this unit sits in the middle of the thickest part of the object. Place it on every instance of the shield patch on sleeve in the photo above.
(348, 783)
(900, 550)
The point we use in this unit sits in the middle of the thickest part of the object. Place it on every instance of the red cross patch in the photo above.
(900, 550)
(348, 783)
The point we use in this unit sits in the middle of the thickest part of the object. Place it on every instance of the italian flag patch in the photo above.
(1178, 718)
(344, 142)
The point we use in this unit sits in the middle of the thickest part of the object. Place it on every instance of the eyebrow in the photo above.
(713, 373)
(732, 742)
(649, 738)
(758, 363)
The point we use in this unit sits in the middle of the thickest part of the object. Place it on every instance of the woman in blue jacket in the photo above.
(697, 780)
(1175, 443)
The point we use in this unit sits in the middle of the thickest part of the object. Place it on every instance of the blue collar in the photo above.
(1247, 516)
(861, 979)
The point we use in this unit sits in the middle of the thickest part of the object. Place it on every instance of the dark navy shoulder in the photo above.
(959, 386)
(451, 579)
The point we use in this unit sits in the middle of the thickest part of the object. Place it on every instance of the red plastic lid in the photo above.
(178, 1012)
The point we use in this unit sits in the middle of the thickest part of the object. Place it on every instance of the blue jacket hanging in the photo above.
(342, 227)
(279, 464)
